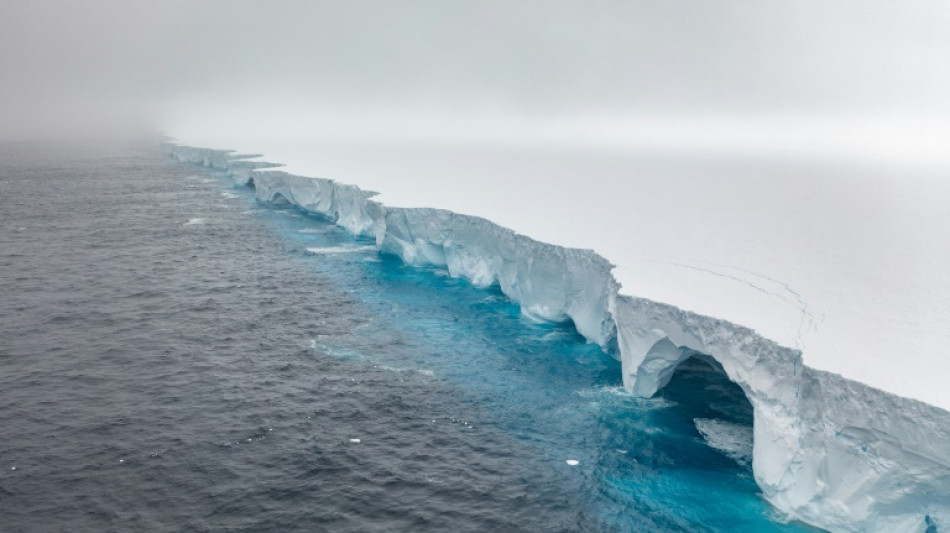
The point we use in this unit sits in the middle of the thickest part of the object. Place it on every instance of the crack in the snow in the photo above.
(807, 320)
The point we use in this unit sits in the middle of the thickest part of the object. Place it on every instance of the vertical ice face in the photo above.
(242, 172)
(826, 450)
(346, 205)
(549, 282)
(875, 461)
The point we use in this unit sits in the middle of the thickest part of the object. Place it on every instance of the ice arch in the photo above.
(655, 338)
(827, 450)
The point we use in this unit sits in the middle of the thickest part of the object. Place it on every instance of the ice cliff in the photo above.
(827, 450)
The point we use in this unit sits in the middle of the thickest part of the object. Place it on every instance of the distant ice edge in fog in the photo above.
(829, 451)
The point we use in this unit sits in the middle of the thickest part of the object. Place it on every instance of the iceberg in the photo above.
(826, 450)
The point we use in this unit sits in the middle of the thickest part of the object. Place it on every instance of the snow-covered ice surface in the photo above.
(810, 283)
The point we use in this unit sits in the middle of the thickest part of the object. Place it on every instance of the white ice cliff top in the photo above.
(848, 262)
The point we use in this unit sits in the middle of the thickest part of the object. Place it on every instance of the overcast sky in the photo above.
(340, 67)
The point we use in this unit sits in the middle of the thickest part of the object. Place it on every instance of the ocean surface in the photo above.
(177, 357)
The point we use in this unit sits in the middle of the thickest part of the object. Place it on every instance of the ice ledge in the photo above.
(827, 450)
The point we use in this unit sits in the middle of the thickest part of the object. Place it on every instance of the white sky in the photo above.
(434, 68)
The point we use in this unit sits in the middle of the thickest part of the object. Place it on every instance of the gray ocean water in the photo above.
(176, 357)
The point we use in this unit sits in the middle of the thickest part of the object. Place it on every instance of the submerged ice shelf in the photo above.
(827, 450)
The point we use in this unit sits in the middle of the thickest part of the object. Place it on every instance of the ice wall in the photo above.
(828, 451)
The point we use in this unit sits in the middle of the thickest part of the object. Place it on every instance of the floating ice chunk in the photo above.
(326, 250)
(355, 441)
(572, 462)
(734, 440)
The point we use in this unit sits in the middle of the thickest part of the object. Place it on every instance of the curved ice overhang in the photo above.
(827, 450)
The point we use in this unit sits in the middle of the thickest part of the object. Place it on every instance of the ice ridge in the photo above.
(828, 451)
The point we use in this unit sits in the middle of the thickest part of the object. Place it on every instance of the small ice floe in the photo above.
(354, 441)
(398, 370)
(734, 440)
(194, 222)
(12, 468)
(121, 461)
(572, 462)
(344, 249)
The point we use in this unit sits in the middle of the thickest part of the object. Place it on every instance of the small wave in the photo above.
(734, 440)
(229, 195)
(313, 230)
(423, 371)
(339, 352)
(599, 391)
(775, 515)
(327, 250)
(194, 222)
(618, 393)
(558, 335)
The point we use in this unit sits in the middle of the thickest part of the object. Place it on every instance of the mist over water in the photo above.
(854, 79)
(178, 358)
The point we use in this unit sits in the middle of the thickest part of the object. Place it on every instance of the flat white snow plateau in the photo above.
(847, 262)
